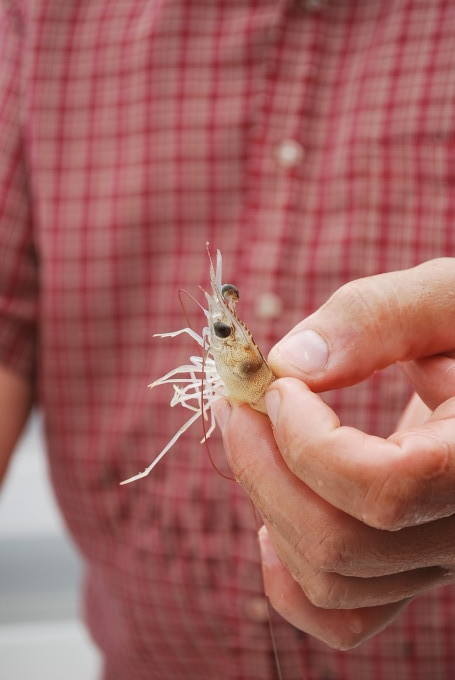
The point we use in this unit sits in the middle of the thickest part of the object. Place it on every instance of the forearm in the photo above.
(15, 403)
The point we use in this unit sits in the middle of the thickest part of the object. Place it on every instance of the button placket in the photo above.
(275, 169)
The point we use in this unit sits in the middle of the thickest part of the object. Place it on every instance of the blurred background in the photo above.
(41, 632)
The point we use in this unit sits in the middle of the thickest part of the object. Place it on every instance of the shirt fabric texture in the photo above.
(313, 143)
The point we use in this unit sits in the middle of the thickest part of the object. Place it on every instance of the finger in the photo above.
(405, 480)
(340, 629)
(416, 413)
(336, 591)
(433, 378)
(327, 538)
(371, 323)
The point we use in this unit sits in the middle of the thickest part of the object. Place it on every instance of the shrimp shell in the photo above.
(238, 359)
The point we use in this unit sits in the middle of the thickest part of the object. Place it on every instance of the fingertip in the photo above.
(222, 412)
(273, 403)
(269, 556)
(301, 353)
(277, 578)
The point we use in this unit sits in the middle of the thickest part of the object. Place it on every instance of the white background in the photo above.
(41, 633)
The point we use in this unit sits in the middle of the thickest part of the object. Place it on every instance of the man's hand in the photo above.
(361, 524)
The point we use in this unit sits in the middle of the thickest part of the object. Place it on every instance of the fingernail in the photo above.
(272, 403)
(222, 411)
(306, 350)
(355, 623)
(268, 555)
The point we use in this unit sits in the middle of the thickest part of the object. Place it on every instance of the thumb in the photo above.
(371, 323)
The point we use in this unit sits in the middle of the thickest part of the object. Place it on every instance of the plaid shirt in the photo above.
(313, 143)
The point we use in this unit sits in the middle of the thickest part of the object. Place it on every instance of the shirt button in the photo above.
(256, 609)
(289, 153)
(268, 306)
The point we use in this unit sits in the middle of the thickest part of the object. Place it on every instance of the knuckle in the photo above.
(385, 504)
(369, 304)
(325, 592)
(435, 453)
(328, 551)
(403, 497)
(359, 299)
(351, 294)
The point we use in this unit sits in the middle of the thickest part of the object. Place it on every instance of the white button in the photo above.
(268, 306)
(256, 609)
(289, 153)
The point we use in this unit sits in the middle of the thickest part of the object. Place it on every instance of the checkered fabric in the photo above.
(313, 143)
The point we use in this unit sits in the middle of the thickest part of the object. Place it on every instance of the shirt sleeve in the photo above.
(18, 261)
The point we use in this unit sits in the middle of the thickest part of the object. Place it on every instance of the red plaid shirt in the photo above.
(312, 143)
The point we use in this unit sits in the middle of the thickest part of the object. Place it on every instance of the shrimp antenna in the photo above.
(279, 672)
(181, 292)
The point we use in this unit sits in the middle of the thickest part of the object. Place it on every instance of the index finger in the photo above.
(390, 483)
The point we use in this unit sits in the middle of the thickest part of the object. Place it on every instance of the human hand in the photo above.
(362, 524)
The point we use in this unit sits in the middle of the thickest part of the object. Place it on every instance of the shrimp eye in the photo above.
(222, 330)
(230, 291)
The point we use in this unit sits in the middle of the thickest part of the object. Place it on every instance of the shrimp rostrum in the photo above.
(232, 365)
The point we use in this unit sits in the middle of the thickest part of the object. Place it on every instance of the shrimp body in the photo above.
(233, 366)
(238, 359)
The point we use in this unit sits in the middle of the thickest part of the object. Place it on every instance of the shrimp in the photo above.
(233, 366)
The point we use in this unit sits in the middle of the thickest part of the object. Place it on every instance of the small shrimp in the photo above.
(238, 360)
(233, 366)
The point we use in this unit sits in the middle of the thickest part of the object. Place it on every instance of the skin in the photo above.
(355, 526)
(16, 396)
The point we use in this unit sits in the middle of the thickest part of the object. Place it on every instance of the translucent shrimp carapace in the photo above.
(232, 365)
(239, 361)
